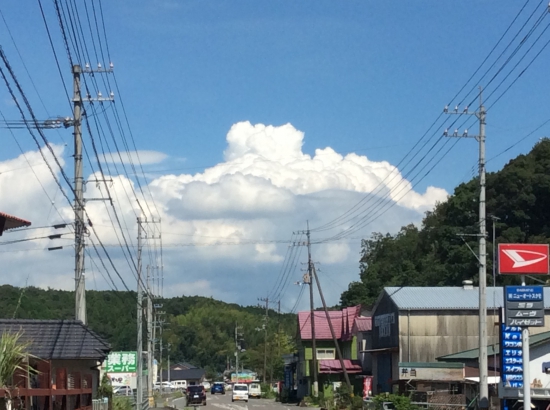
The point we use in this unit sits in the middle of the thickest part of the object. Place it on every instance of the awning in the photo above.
(490, 379)
(383, 349)
(11, 222)
(333, 366)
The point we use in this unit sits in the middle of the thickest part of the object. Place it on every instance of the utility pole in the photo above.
(139, 381)
(168, 354)
(79, 202)
(79, 227)
(266, 300)
(237, 351)
(150, 340)
(312, 317)
(331, 327)
(483, 365)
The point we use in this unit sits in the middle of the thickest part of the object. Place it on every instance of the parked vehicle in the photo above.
(122, 391)
(206, 385)
(196, 395)
(240, 392)
(217, 387)
(180, 385)
(255, 390)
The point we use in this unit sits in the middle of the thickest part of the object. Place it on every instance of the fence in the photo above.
(100, 404)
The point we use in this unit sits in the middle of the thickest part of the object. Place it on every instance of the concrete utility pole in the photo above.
(331, 327)
(266, 300)
(139, 381)
(237, 351)
(150, 340)
(483, 365)
(312, 318)
(79, 226)
(79, 202)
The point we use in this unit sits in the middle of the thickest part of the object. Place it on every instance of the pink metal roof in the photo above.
(342, 322)
(334, 366)
(363, 324)
(11, 222)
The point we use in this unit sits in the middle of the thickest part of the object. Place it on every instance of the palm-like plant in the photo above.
(13, 353)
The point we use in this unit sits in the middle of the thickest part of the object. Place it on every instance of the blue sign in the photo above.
(511, 356)
(521, 293)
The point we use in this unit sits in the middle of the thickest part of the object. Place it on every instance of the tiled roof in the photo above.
(58, 339)
(334, 366)
(342, 322)
(447, 297)
(187, 374)
(11, 222)
(183, 366)
(363, 324)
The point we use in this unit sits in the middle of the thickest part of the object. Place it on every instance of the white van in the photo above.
(240, 392)
(180, 385)
(255, 390)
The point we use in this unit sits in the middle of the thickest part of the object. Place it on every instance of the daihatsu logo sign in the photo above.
(522, 259)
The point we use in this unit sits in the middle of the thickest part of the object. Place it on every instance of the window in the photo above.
(325, 354)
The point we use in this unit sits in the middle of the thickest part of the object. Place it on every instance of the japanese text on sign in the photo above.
(121, 362)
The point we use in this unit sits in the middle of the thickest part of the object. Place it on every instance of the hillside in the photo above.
(435, 255)
(200, 330)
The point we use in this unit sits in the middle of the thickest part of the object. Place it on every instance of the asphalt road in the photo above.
(223, 402)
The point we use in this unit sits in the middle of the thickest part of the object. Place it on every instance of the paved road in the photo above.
(223, 402)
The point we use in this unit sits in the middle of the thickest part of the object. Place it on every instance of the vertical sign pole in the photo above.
(526, 363)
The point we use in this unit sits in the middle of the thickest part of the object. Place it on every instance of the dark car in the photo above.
(196, 395)
(217, 387)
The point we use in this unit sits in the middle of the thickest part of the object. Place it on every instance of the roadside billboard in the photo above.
(243, 377)
(121, 362)
(523, 259)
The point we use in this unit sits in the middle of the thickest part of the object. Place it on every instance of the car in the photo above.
(122, 391)
(180, 385)
(206, 385)
(217, 387)
(255, 390)
(196, 395)
(240, 392)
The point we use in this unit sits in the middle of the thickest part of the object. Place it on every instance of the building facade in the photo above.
(420, 324)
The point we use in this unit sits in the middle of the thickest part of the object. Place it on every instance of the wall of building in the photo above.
(364, 342)
(425, 335)
(385, 324)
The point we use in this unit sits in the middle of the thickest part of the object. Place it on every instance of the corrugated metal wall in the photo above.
(425, 335)
(438, 333)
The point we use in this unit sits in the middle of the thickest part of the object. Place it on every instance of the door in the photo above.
(384, 373)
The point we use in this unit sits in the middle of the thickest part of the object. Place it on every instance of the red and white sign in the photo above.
(367, 386)
(522, 259)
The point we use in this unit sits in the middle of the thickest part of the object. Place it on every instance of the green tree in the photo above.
(437, 253)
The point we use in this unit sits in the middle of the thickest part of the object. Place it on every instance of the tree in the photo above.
(437, 253)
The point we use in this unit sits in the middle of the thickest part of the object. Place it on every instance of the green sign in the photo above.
(121, 362)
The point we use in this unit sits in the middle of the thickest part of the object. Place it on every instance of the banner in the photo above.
(367, 386)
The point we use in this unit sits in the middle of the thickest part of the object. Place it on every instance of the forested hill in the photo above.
(200, 330)
(434, 254)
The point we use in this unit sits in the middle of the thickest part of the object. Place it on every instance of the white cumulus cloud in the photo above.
(225, 230)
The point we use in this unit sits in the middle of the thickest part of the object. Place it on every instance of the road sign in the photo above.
(523, 259)
(524, 306)
(511, 357)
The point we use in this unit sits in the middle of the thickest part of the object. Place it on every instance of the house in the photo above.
(330, 373)
(420, 324)
(8, 222)
(539, 369)
(182, 366)
(192, 376)
(362, 328)
(67, 356)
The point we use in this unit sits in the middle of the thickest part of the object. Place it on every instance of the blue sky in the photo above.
(360, 77)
